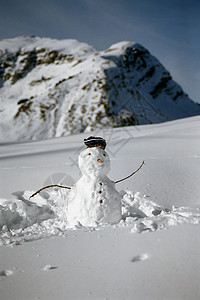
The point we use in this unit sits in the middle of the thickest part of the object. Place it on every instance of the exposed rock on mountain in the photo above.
(52, 88)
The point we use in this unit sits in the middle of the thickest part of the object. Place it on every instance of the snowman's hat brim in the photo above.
(93, 141)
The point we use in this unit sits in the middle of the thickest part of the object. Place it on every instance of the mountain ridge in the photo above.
(51, 88)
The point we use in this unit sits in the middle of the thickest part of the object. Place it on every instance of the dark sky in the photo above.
(169, 29)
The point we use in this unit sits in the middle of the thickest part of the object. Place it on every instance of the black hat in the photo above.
(93, 141)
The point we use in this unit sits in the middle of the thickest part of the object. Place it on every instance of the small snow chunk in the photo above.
(4, 228)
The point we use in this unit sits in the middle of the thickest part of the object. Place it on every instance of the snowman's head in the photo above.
(94, 162)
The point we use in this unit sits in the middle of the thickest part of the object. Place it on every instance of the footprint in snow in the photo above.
(49, 267)
(140, 257)
(5, 273)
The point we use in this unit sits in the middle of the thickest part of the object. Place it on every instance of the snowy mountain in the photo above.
(51, 88)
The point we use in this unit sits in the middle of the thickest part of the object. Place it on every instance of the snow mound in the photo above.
(22, 220)
(144, 215)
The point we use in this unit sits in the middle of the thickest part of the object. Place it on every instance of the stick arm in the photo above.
(67, 187)
(49, 186)
(143, 163)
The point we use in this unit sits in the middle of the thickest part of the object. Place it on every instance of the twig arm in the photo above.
(67, 187)
(49, 186)
(131, 173)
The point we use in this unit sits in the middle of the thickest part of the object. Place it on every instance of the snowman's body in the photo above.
(93, 199)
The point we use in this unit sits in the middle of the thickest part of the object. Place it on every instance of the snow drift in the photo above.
(24, 220)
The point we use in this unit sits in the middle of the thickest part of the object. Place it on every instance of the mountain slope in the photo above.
(51, 88)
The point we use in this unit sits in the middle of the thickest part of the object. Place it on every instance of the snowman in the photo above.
(93, 199)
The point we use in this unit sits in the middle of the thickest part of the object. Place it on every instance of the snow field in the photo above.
(108, 264)
(133, 259)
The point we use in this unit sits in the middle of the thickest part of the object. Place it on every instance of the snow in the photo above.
(117, 48)
(25, 43)
(152, 253)
(108, 264)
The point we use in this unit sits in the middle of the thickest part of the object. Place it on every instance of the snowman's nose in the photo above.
(99, 160)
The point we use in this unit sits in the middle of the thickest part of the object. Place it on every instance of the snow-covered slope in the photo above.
(51, 88)
(135, 259)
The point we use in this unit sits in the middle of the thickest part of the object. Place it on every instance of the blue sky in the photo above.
(169, 29)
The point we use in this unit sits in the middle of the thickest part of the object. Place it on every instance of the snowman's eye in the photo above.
(89, 153)
(104, 154)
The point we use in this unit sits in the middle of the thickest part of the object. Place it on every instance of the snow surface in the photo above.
(134, 259)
